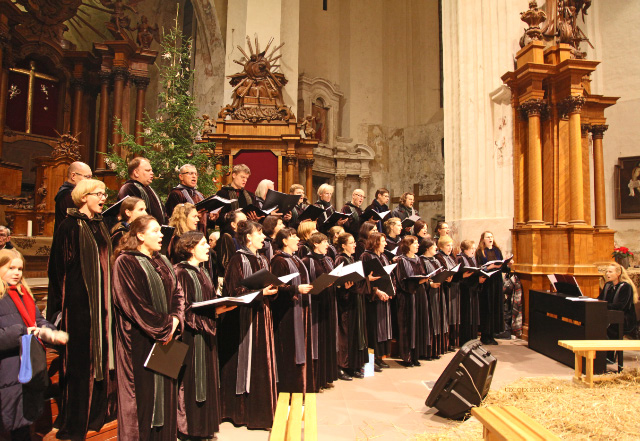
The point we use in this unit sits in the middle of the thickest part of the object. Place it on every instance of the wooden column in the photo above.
(598, 175)
(533, 109)
(573, 105)
(288, 182)
(78, 96)
(4, 86)
(119, 77)
(141, 86)
(103, 119)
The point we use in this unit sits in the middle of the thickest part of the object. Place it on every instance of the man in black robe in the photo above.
(239, 177)
(379, 205)
(186, 192)
(405, 207)
(138, 185)
(77, 172)
(353, 224)
(291, 219)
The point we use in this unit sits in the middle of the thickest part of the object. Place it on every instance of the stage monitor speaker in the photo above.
(465, 381)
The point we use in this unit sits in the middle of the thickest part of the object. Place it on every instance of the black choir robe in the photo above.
(117, 232)
(353, 351)
(244, 198)
(87, 404)
(256, 407)
(148, 195)
(292, 328)
(414, 338)
(491, 297)
(325, 317)
(353, 224)
(63, 202)
(439, 317)
(295, 215)
(183, 194)
(198, 419)
(138, 327)
(379, 329)
(469, 306)
(452, 296)
(392, 242)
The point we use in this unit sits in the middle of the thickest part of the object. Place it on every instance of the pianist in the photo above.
(621, 294)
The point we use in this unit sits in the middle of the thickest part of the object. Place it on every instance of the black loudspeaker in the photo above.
(465, 381)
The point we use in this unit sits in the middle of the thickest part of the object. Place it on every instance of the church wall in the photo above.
(619, 32)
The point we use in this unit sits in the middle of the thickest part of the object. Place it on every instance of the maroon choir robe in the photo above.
(198, 386)
(246, 350)
(295, 339)
(148, 195)
(353, 351)
(138, 327)
(80, 295)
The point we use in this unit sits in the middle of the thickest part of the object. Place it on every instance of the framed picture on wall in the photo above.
(627, 181)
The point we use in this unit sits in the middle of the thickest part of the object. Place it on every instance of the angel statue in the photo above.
(119, 22)
(146, 33)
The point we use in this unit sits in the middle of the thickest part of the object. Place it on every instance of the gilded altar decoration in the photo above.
(257, 93)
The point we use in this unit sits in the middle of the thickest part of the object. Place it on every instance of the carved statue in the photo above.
(306, 127)
(146, 33)
(67, 145)
(120, 22)
(208, 126)
(563, 26)
(45, 18)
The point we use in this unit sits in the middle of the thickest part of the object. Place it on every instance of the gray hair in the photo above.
(3, 228)
(184, 167)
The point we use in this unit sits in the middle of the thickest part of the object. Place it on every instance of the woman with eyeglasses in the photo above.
(80, 303)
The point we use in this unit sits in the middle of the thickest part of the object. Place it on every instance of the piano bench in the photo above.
(510, 424)
(287, 421)
(588, 349)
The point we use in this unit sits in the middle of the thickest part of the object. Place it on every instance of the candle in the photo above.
(29, 228)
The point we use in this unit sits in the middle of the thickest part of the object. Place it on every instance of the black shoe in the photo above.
(383, 365)
(416, 363)
(506, 335)
(406, 363)
(342, 375)
(486, 341)
(356, 374)
(493, 342)
(452, 348)
(377, 368)
(329, 386)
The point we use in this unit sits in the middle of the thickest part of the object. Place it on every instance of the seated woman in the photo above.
(131, 209)
(621, 295)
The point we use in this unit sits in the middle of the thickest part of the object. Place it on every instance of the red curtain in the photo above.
(263, 165)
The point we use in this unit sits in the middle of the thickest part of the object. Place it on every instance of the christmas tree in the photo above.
(170, 137)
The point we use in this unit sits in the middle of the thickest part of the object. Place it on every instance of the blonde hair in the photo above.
(85, 187)
(263, 188)
(305, 229)
(324, 188)
(241, 168)
(391, 222)
(6, 256)
(295, 187)
(334, 232)
(179, 218)
(444, 241)
(624, 277)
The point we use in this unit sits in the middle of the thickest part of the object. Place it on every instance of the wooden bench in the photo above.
(588, 349)
(287, 422)
(507, 423)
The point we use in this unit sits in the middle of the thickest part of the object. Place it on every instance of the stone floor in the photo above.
(390, 405)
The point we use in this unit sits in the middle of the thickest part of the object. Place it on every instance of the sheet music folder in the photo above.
(167, 359)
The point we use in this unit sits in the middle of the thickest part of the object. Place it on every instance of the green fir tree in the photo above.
(170, 137)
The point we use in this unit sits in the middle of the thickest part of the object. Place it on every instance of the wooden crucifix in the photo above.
(419, 198)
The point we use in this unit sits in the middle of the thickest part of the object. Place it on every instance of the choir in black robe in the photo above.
(324, 315)
(353, 224)
(226, 247)
(246, 350)
(64, 201)
(182, 194)
(620, 298)
(379, 331)
(140, 322)
(295, 215)
(392, 242)
(469, 306)
(117, 232)
(378, 208)
(452, 296)
(414, 336)
(80, 292)
(491, 298)
(148, 195)
(439, 317)
(244, 198)
(352, 323)
(198, 387)
(295, 339)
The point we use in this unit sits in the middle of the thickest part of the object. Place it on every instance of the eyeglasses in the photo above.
(99, 194)
(190, 173)
(84, 176)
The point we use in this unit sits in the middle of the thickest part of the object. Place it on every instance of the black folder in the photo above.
(213, 203)
(263, 278)
(384, 282)
(167, 359)
(443, 275)
(260, 213)
(208, 307)
(339, 276)
(371, 213)
(312, 213)
(391, 253)
(410, 221)
(114, 210)
(334, 218)
(167, 234)
(284, 202)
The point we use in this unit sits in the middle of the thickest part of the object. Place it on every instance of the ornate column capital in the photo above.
(585, 129)
(141, 82)
(120, 73)
(571, 104)
(78, 83)
(534, 107)
(597, 130)
(290, 159)
(341, 176)
(104, 76)
(307, 162)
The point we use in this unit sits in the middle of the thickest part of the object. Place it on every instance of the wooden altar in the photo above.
(554, 112)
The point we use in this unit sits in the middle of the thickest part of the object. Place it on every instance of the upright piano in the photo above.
(553, 317)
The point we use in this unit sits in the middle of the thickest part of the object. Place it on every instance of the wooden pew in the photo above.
(507, 423)
(287, 421)
(588, 349)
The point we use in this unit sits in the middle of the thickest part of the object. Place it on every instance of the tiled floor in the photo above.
(390, 405)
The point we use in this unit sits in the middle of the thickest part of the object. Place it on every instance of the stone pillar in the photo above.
(364, 185)
(534, 109)
(308, 164)
(339, 193)
(103, 119)
(598, 175)
(573, 105)
(141, 87)
(119, 77)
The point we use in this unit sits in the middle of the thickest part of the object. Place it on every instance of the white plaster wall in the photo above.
(619, 34)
